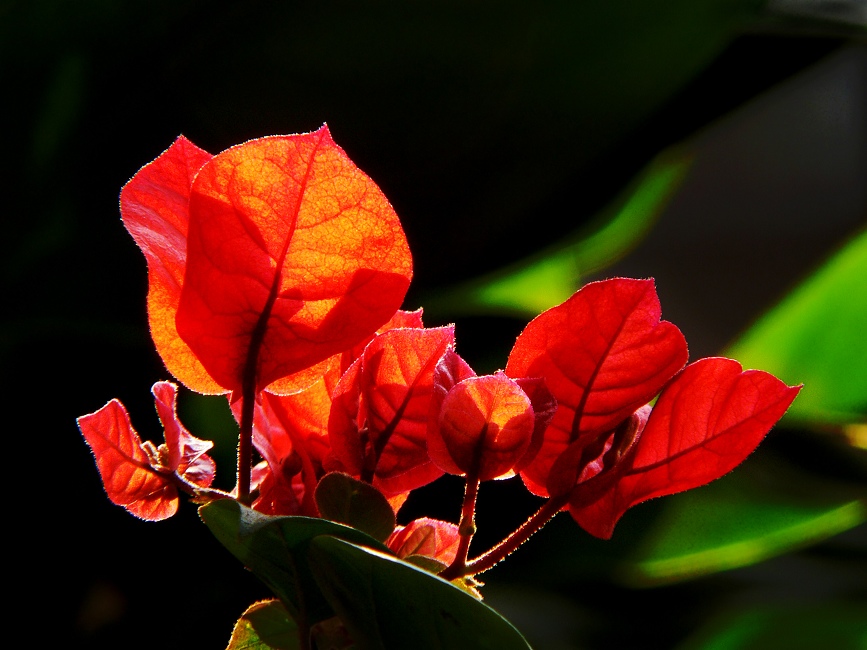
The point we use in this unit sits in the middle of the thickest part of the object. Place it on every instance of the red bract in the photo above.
(378, 421)
(705, 423)
(263, 260)
(483, 428)
(141, 478)
(604, 354)
(452, 370)
(293, 255)
(154, 206)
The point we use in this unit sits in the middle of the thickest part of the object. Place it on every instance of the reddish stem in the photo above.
(245, 442)
(499, 552)
(466, 529)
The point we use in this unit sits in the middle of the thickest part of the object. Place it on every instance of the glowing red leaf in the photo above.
(125, 467)
(154, 206)
(139, 476)
(603, 353)
(484, 427)
(293, 255)
(704, 424)
(378, 421)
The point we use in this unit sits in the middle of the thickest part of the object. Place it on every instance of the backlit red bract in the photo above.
(604, 354)
(138, 478)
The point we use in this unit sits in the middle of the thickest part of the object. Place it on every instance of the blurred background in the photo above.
(719, 146)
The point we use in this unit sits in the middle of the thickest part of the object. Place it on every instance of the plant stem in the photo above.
(466, 529)
(245, 442)
(499, 552)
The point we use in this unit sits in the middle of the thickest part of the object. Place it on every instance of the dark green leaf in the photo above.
(275, 550)
(346, 500)
(386, 603)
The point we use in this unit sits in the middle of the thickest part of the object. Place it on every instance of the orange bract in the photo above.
(154, 206)
(293, 255)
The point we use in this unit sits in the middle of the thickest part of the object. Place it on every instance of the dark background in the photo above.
(494, 129)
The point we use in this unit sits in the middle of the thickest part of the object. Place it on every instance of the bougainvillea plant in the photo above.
(277, 272)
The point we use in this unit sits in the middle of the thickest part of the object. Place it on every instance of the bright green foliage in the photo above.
(817, 335)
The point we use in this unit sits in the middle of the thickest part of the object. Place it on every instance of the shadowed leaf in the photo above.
(275, 550)
(385, 603)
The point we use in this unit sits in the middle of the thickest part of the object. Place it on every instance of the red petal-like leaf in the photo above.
(186, 454)
(705, 423)
(294, 255)
(450, 370)
(485, 424)
(603, 353)
(427, 537)
(378, 422)
(154, 206)
(124, 466)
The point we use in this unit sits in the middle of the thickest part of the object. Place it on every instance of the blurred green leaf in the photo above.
(816, 336)
(275, 550)
(839, 626)
(265, 625)
(765, 508)
(386, 603)
(549, 277)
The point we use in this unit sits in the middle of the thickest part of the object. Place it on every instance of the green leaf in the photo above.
(765, 508)
(552, 275)
(815, 336)
(344, 499)
(275, 550)
(386, 603)
(265, 625)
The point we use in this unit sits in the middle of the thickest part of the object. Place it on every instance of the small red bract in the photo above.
(137, 475)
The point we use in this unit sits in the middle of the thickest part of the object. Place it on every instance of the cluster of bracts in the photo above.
(277, 270)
